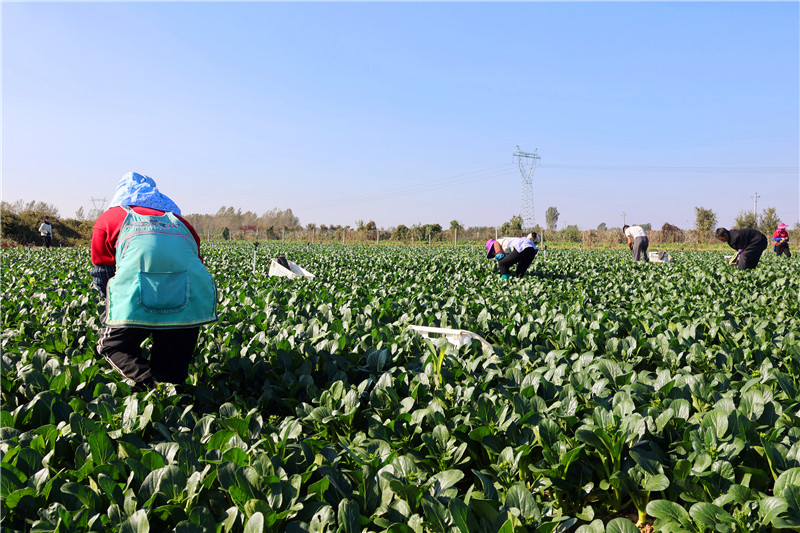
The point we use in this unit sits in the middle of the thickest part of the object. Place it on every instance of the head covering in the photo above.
(782, 226)
(489, 248)
(137, 189)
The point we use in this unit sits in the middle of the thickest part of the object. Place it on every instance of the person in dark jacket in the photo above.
(750, 244)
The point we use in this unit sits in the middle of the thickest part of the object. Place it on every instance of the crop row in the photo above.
(665, 392)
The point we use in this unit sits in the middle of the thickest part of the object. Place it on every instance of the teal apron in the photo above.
(160, 281)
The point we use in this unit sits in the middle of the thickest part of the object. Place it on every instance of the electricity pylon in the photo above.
(527, 163)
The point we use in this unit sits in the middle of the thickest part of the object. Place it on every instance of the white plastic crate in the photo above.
(294, 270)
(653, 256)
(456, 337)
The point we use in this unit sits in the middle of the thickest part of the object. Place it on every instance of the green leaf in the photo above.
(708, 514)
(86, 495)
(787, 478)
(771, 508)
(669, 511)
(598, 527)
(445, 480)
(519, 497)
(349, 516)
(12, 500)
(461, 516)
(656, 483)
(102, 447)
(255, 524)
(621, 525)
(137, 523)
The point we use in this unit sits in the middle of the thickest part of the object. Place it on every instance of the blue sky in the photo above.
(408, 112)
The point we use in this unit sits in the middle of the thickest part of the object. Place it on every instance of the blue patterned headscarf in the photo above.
(136, 189)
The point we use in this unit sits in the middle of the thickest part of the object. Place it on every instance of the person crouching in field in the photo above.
(148, 265)
(637, 241)
(510, 251)
(781, 239)
(749, 243)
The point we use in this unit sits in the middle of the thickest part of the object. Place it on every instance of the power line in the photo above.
(635, 168)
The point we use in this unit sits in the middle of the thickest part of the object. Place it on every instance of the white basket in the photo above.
(294, 270)
(653, 256)
(456, 337)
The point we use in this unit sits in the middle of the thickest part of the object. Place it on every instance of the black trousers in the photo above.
(751, 255)
(783, 250)
(522, 259)
(47, 240)
(170, 355)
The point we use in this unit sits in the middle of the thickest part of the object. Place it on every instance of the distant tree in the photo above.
(360, 224)
(602, 227)
(513, 226)
(80, 214)
(401, 232)
(796, 226)
(278, 218)
(433, 229)
(226, 234)
(570, 233)
(40, 208)
(647, 227)
(705, 219)
(456, 225)
(370, 226)
(551, 218)
(745, 220)
(669, 228)
(768, 221)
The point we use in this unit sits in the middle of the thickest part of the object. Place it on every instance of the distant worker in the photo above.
(510, 251)
(148, 265)
(46, 231)
(637, 241)
(781, 239)
(749, 244)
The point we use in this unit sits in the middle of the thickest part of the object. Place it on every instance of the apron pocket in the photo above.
(163, 292)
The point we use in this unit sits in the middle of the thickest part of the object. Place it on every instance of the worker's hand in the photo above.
(499, 256)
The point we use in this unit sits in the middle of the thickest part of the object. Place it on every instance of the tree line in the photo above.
(20, 222)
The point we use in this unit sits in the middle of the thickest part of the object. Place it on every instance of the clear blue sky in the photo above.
(408, 112)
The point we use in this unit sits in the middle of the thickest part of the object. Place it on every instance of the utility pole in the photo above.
(623, 217)
(755, 198)
(526, 169)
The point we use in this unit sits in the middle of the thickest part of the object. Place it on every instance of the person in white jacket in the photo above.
(509, 251)
(637, 241)
(46, 231)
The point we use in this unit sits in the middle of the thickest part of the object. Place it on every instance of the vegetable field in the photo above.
(614, 393)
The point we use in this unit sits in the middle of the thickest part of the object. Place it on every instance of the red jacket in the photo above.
(106, 231)
(780, 234)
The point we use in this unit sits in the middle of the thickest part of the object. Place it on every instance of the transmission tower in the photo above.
(96, 201)
(527, 163)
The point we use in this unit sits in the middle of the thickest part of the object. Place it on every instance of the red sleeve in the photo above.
(104, 236)
(106, 232)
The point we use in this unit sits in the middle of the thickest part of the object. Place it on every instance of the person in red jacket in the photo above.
(781, 240)
(142, 213)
